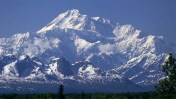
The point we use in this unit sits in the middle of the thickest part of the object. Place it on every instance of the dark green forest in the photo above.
(144, 95)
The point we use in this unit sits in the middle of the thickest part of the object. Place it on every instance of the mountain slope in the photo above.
(23, 70)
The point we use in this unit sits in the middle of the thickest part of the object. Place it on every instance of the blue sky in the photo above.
(150, 16)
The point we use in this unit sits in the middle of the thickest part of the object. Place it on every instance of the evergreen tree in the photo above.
(167, 86)
(48, 95)
(83, 95)
(61, 92)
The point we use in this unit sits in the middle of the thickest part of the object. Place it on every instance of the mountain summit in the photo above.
(76, 48)
(71, 19)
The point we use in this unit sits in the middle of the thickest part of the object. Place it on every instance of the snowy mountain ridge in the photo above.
(72, 19)
(80, 48)
(24, 69)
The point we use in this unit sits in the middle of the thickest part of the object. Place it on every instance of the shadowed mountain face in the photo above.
(61, 66)
(23, 70)
(85, 49)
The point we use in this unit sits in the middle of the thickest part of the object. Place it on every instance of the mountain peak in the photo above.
(73, 12)
(70, 19)
(73, 19)
(70, 13)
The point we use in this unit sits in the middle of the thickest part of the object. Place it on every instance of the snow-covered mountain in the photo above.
(78, 48)
(19, 71)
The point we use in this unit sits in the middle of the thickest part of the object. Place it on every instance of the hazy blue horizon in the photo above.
(150, 16)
